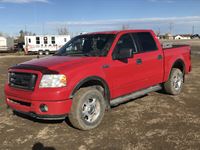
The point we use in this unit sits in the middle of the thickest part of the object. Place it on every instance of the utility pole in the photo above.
(43, 32)
(25, 30)
(158, 31)
(171, 26)
(193, 30)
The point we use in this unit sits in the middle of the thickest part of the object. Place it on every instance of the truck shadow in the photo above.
(40, 146)
(162, 91)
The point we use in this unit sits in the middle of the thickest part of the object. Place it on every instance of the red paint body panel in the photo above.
(121, 78)
(171, 55)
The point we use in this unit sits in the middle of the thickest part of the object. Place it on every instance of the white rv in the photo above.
(6, 43)
(44, 44)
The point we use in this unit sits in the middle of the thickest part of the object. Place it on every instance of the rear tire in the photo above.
(174, 84)
(47, 52)
(87, 109)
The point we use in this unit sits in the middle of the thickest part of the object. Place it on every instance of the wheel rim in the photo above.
(177, 81)
(91, 110)
(40, 53)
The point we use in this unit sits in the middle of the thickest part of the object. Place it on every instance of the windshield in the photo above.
(87, 45)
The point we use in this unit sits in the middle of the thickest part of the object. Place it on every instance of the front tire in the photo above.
(174, 84)
(87, 109)
(40, 52)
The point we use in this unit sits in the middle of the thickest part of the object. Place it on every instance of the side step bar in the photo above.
(134, 95)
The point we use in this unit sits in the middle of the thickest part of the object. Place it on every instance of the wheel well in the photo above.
(98, 83)
(179, 64)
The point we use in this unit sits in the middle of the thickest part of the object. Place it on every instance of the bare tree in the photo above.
(158, 31)
(22, 34)
(125, 26)
(63, 30)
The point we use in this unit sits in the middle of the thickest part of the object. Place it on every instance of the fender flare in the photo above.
(93, 78)
(178, 61)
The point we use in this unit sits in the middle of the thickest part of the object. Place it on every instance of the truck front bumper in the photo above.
(56, 110)
(38, 106)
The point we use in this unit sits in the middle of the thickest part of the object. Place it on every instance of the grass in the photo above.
(19, 53)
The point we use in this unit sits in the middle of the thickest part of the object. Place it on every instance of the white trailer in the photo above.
(6, 44)
(44, 44)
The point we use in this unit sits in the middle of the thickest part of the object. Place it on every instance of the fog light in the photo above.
(43, 108)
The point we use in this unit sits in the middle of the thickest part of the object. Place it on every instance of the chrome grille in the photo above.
(22, 80)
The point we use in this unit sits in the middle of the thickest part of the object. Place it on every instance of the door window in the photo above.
(37, 40)
(53, 41)
(45, 40)
(125, 42)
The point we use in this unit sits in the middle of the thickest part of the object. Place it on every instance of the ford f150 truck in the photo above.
(92, 73)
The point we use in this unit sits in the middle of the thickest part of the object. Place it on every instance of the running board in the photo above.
(134, 95)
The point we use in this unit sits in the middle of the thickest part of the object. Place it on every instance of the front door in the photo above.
(126, 75)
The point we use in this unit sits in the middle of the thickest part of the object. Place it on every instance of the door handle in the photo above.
(105, 66)
(159, 57)
(139, 61)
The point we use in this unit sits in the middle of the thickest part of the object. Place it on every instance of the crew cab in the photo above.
(93, 72)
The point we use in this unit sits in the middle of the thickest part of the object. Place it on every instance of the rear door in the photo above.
(149, 58)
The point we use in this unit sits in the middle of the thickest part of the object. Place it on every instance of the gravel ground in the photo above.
(154, 122)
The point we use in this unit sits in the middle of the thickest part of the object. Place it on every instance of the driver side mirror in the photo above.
(124, 53)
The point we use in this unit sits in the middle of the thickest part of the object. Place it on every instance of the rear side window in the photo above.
(145, 42)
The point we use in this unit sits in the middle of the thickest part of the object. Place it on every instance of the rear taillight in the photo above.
(190, 53)
(190, 68)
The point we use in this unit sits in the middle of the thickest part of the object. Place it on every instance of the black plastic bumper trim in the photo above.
(42, 117)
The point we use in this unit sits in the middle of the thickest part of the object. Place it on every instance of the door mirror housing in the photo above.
(123, 54)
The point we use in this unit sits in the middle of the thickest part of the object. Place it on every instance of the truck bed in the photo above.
(175, 46)
(176, 52)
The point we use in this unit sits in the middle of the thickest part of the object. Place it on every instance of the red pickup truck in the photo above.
(93, 72)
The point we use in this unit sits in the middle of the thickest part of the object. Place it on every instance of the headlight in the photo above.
(52, 81)
(8, 80)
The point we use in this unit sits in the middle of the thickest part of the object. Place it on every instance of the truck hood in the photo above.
(55, 63)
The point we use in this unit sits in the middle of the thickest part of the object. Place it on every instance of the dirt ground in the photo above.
(156, 121)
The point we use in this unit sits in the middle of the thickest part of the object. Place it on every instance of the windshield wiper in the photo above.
(87, 54)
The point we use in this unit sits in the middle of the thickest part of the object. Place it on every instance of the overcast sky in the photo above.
(45, 16)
